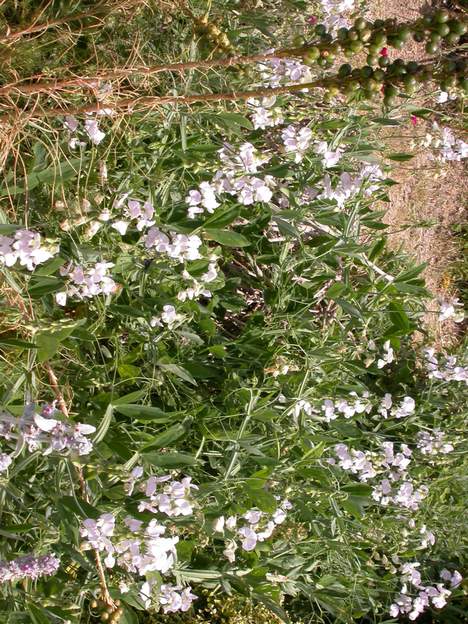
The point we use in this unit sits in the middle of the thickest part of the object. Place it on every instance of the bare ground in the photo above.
(428, 191)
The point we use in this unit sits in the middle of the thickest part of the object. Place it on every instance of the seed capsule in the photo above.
(453, 38)
(360, 23)
(440, 17)
(384, 61)
(431, 47)
(459, 28)
(372, 59)
(443, 29)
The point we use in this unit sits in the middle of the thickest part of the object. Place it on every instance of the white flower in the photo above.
(448, 310)
(329, 158)
(218, 525)
(387, 357)
(93, 131)
(5, 462)
(121, 226)
(250, 538)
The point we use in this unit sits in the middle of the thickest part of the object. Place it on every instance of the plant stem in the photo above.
(149, 102)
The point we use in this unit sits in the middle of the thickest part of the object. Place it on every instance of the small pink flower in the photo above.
(312, 20)
(384, 52)
(414, 120)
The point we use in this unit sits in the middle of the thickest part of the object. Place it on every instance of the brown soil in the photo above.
(428, 191)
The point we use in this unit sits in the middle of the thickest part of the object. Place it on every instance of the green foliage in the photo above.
(306, 300)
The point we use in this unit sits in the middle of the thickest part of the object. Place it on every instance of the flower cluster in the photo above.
(254, 526)
(449, 370)
(333, 13)
(234, 178)
(432, 443)
(86, 283)
(173, 598)
(5, 462)
(198, 288)
(265, 115)
(357, 405)
(180, 247)
(403, 409)
(348, 185)
(91, 128)
(435, 595)
(451, 310)
(451, 148)
(284, 71)
(168, 317)
(330, 157)
(26, 247)
(28, 567)
(296, 141)
(134, 211)
(40, 431)
(395, 486)
(141, 547)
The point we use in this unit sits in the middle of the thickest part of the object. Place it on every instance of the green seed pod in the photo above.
(365, 35)
(409, 83)
(405, 33)
(412, 67)
(419, 36)
(298, 41)
(344, 70)
(373, 85)
(459, 28)
(379, 75)
(334, 48)
(396, 42)
(384, 61)
(348, 53)
(311, 56)
(320, 29)
(452, 39)
(435, 38)
(440, 17)
(379, 39)
(366, 72)
(342, 33)
(431, 47)
(356, 46)
(374, 49)
(353, 34)
(326, 38)
(379, 23)
(322, 62)
(372, 59)
(360, 23)
(442, 29)
(390, 91)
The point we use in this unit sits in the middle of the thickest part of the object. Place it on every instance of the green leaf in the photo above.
(79, 507)
(50, 266)
(104, 424)
(400, 156)
(146, 413)
(38, 615)
(228, 238)
(398, 316)
(20, 344)
(45, 286)
(180, 372)
(48, 339)
(335, 290)
(128, 371)
(170, 460)
(169, 436)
